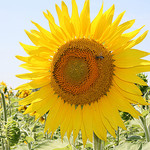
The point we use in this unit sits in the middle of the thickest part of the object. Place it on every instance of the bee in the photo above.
(99, 57)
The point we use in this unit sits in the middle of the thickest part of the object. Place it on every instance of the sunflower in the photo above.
(24, 93)
(3, 84)
(86, 72)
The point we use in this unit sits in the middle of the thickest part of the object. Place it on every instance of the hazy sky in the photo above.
(15, 16)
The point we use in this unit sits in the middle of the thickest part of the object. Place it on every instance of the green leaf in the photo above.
(145, 113)
(13, 100)
(128, 146)
(3, 137)
(133, 138)
(29, 139)
(88, 144)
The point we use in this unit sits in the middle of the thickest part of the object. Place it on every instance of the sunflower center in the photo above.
(82, 71)
(75, 70)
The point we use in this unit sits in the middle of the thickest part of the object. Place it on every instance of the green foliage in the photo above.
(126, 116)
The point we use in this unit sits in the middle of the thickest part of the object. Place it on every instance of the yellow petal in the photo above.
(75, 19)
(120, 29)
(138, 40)
(48, 103)
(85, 17)
(28, 48)
(34, 38)
(125, 86)
(109, 14)
(128, 75)
(36, 50)
(34, 68)
(88, 121)
(39, 40)
(55, 29)
(130, 62)
(103, 107)
(110, 31)
(95, 22)
(33, 60)
(98, 126)
(139, 69)
(136, 99)
(130, 53)
(104, 22)
(60, 16)
(84, 137)
(58, 118)
(35, 75)
(108, 125)
(64, 22)
(70, 27)
(118, 19)
(124, 39)
(77, 120)
(66, 121)
(34, 84)
(115, 116)
(51, 20)
(65, 9)
(132, 34)
(70, 126)
(52, 121)
(46, 34)
(121, 103)
(37, 33)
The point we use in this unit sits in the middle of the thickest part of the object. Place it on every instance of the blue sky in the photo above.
(15, 16)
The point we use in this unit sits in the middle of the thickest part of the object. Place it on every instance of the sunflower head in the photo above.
(3, 84)
(24, 93)
(85, 71)
(79, 71)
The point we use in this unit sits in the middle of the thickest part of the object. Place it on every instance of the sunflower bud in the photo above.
(12, 133)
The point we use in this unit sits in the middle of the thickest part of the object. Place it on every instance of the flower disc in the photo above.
(82, 71)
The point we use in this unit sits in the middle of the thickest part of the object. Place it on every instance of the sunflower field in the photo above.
(86, 89)
(23, 132)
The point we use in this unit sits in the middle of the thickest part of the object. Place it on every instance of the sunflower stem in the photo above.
(98, 143)
(147, 134)
(29, 146)
(117, 136)
(2, 143)
(2, 140)
(4, 108)
(5, 117)
(9, 103)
